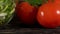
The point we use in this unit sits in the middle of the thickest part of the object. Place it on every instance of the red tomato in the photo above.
(26, 13)
(49, 15)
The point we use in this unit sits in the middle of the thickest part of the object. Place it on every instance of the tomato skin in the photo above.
(49, 15)
(26, 13)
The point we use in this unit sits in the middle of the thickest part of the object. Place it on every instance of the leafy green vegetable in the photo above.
(7, 8)
(36, 2)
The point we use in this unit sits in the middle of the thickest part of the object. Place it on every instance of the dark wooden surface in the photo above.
(15, 27)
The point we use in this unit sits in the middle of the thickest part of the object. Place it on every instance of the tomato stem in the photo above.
(49, 1)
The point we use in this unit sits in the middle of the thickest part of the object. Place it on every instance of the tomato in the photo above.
(26, 13)
(49, 14)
